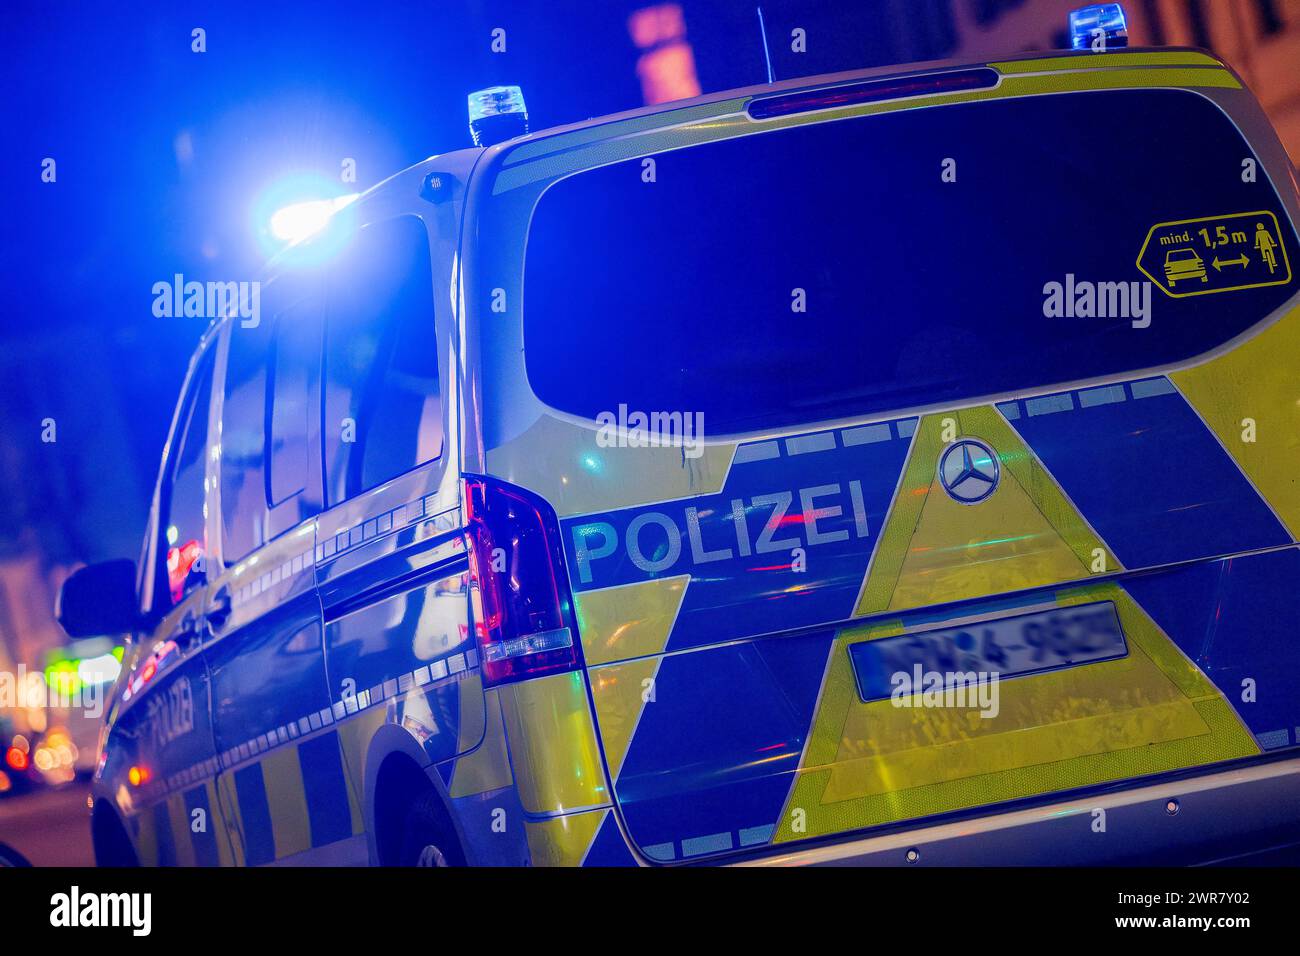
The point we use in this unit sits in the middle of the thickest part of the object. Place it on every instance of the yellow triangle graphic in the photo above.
(619, 691)
(633, 620)
(935, 550)
(630, 624)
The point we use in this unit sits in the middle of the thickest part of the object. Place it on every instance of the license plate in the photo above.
(1009, 647)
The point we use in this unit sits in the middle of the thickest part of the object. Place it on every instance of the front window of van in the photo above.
(881, 263)
(186, 539)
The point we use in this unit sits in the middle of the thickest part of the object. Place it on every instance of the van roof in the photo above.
(555, 139)
(1036, 62)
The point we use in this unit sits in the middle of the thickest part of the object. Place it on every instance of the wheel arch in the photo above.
(397, 771)
(109, 838)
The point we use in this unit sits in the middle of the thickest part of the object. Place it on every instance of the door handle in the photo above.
(219, 609)
(187, 633)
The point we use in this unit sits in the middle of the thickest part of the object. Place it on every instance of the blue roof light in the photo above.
(496, 100)
(496, 114)
(1099, 27)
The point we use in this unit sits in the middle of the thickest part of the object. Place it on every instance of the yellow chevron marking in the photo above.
(230, 819)
(628, 621)
(563, 841)
(179, 818)
(217, 826)
(1092, 61)
(1259, 380)
(632, 621)
(354, 735)
(553, 746)
(868, 764)
(934, 549)
(473, 718)
(286, 800)
(618, 691)
(487, 767)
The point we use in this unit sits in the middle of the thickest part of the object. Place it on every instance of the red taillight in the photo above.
(871, 91)
(523, 611)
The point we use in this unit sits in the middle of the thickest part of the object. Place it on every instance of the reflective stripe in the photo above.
(287, 802)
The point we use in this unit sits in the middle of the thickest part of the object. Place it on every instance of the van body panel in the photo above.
(745, 603)
(722, 675)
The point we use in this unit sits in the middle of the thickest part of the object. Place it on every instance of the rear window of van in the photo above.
(872, 264)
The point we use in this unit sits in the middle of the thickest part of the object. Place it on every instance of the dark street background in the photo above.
(51, 828)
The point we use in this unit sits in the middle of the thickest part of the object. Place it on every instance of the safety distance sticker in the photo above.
(1243, 250)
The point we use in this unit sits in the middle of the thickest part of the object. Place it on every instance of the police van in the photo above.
(823, 471)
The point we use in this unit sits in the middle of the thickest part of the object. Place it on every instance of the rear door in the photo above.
(988, 503)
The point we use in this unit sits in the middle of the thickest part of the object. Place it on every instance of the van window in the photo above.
(832, 269)
(383, 403)
(266, 416)
(295, 359)
(243, 442)
(184, 522)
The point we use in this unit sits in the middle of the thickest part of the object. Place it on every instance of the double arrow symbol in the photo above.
(1218, 266)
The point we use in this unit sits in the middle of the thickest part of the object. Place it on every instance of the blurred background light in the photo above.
(303, 220)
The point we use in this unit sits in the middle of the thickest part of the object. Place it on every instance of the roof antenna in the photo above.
(767, 54)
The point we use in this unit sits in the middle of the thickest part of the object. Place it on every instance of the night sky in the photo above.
(162, 154)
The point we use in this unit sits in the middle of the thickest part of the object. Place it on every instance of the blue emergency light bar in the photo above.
(1101, 21)
(497, 114)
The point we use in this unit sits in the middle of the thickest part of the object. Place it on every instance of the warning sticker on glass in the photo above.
(1241, 250)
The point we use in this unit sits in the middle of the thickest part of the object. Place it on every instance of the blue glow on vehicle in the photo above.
(304, 219)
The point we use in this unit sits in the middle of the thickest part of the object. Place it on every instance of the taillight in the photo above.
(871, 91)
(523, 611)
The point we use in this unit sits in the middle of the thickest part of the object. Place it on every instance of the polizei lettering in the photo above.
(673, 538)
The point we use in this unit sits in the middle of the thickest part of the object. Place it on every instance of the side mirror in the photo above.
(99, 599)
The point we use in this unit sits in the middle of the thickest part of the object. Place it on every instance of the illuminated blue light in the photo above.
(1105, 17)
(304, 219)
(497, 114)
(496, 100)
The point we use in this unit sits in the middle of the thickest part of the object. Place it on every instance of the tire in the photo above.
(428, 838)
